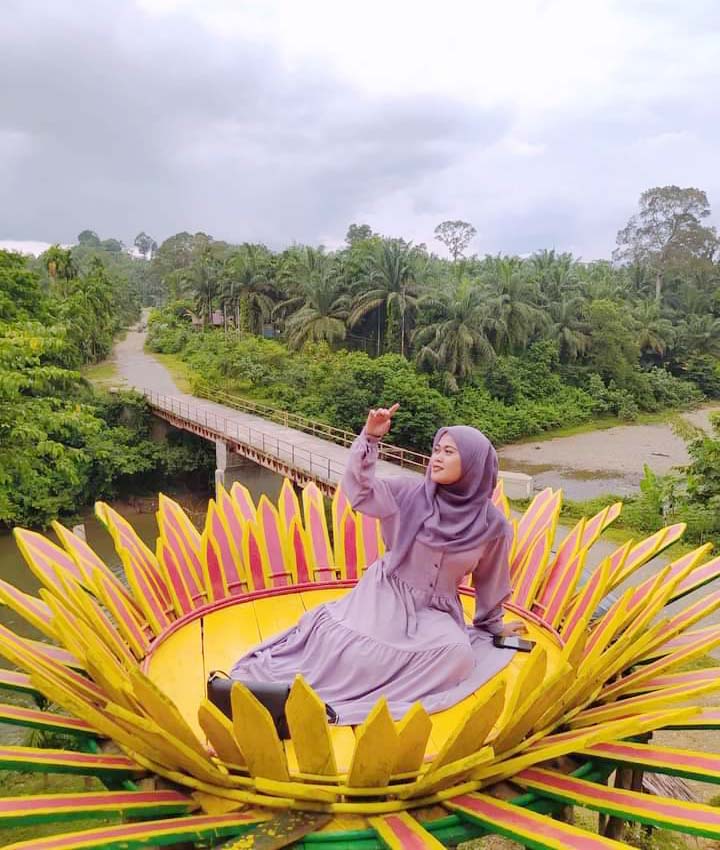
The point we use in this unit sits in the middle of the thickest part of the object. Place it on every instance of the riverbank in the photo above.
(606, 460)
(605, 456)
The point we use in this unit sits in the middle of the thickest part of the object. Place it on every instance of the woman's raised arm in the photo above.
(366, 492)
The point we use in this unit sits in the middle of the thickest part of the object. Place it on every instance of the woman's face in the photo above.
(445, 467)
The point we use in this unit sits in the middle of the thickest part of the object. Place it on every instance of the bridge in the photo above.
(294, 446)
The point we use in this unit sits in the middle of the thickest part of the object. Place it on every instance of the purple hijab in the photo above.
(454, 517)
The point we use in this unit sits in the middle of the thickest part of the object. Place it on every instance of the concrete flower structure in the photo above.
(126, 657)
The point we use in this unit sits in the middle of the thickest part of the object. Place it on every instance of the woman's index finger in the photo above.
(393, 409)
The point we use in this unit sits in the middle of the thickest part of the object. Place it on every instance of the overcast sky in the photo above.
(539, 121)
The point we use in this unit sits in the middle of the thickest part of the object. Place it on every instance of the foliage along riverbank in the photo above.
(691, 496)
(339, 388)
(521, 396)
(515, 346)
(64, 444)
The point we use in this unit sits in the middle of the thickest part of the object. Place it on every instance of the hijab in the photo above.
(454, 517)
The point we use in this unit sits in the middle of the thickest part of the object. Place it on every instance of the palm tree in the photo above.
(567, 327)
(248, 290)
(555, 274)
(302, 270)
(391, 272)
(321, 318)
(655, 334)
(456, 342)
(701, 335)
(203, 278)
(301, 265)
(60, 267)
(688, 299)
(600, 281)
(513, 314)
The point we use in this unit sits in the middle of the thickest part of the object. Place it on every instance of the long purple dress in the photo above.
(400, 635)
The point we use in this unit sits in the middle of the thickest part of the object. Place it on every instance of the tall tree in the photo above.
(322, 316)
(700, 334)
(358, 233)
(655, 334)
(248, 289)
(601, 281)
(455, 343)
(21, 296)
(90, 238)
(556, 274)
(389, 290)
(513, 314)
(170, 262)
(613, 350)
(145, 244)
(89, 313)
(203, 276)
(456, 236)
(115, 246)
(567, 327)
(667, 231)
(60, 267)
(300, 266)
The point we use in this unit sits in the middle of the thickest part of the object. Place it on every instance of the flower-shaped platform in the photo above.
(126, 661)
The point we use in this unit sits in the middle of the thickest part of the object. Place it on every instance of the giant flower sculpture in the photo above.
(125, 664)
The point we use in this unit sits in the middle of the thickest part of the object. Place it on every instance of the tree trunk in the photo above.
(614, 825)
(658, 286)
(244, 315)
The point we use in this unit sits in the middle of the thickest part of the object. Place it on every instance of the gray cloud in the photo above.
(120, 125)
(117, 120)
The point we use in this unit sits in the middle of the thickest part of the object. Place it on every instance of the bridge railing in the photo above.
(318, 465)
(406, 458)
(314, 463)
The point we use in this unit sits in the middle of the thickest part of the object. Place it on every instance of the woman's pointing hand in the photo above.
(379, 421)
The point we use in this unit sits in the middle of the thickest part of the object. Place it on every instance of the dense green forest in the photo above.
(63, 444)
(512, 345)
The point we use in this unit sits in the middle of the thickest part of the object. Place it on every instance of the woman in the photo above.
(400, 633)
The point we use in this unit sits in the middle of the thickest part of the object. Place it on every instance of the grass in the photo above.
(24, 784)
(102, 375)
(180, 372)
(656, 839)
(19, 784)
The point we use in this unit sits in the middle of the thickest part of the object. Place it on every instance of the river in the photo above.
(610, 460)
(140, 512)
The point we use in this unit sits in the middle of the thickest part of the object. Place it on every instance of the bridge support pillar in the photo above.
(228, 465)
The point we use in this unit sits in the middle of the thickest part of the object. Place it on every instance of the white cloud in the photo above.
(24, 246)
